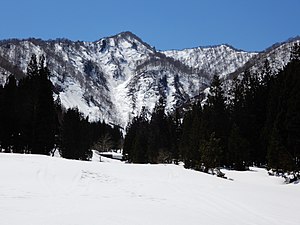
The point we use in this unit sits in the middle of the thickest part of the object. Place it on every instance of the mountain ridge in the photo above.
(129, 33)
(114, 77)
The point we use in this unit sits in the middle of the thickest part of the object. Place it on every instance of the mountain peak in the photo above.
(128, 35)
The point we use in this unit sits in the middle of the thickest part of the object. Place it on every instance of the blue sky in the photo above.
(166, 24)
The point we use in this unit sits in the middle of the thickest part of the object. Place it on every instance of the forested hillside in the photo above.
(257, 123)
(32, 121)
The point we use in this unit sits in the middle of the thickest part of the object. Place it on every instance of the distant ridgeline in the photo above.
(256, 123)
(33, 122)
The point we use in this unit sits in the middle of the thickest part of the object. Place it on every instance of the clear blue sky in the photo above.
(251, 25)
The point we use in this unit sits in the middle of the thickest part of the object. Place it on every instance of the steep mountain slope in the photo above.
(278, 55)
(86, 75)
(115, 77)
(216, 60)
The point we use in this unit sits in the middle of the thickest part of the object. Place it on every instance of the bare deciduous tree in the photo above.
(104, 144)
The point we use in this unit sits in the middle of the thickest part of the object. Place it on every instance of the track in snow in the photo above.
(37, 190)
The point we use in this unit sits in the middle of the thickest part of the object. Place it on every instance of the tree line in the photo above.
(32, 121)
(257, 123)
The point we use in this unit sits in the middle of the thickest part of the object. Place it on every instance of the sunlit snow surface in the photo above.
(40, 190)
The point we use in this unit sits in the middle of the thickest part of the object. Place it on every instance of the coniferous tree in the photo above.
(219, 118)
(238, 150)
(135, 147)
(238, 147)
(45, 123)
(278, 156)
(10, 116)
(74, 136)
(57, 124)
(159, 143)
(174, 127)
(193, 132)
(211, 153)
(185, 141)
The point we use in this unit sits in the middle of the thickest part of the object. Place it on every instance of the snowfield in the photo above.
(40, 190)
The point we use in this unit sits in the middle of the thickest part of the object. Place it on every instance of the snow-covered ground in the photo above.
(40, 190)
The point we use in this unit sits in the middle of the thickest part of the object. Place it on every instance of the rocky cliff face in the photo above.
(115, 77)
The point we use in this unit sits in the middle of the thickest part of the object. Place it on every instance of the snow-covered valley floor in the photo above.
(40, 190)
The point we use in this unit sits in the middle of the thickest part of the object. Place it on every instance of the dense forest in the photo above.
(32, 121)
(257, 123)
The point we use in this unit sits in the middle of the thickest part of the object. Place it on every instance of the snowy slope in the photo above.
(278, 55)
(37, 190)
(216, 60)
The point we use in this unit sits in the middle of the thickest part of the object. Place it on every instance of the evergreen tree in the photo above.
(193, 131)
(159, 143)
(9, 110)
(131, 132)
(218, 123)
(174, 127)
(135, 147)
(45, 122)
(211, 152)
(278, 156)
(74, 136)
(185, 141)
(238, 150)
(57, 124)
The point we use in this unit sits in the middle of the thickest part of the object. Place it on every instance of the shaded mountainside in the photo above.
(115, 77)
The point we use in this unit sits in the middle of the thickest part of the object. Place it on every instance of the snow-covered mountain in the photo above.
(214, 60)
(115, 77)
(278, 55)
